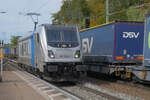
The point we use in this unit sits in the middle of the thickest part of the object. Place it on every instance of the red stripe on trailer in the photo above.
(115, 41)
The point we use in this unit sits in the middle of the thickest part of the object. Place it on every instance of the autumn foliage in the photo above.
(75, 12)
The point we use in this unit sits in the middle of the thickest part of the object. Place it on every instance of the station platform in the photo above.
(14, 88)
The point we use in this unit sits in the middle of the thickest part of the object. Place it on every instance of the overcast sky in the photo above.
(15, 23)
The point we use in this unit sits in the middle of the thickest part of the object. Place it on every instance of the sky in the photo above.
(15, 22)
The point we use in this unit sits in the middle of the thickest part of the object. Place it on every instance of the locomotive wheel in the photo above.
(39, 74)
(46, 73)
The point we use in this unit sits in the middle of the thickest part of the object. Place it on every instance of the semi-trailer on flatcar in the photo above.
(51, 50)
(115, 48)
(143, 72)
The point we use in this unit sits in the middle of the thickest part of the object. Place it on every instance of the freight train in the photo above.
(114, 49)
(12, 52)
(51, 50)
(9, 51)
(117, 49)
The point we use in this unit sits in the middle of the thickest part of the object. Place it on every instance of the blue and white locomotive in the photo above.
(52, 50)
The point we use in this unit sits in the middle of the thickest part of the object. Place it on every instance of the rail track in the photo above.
(141, 85)
(83, 92)
(75, 90)
(84, 89)
(47, 90)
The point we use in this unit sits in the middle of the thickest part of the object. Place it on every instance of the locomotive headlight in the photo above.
(77, 54)
(51, 54)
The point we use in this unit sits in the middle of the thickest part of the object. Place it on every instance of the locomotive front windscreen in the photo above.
(61, 35)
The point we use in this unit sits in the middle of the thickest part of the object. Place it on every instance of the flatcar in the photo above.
(51, 50)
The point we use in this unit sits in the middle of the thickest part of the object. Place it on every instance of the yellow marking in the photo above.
(96, 26)
(117, 71)
(128, 73)
(144, 75)
(1, 56)
(140, 57)
(108, 70)
(119, 57)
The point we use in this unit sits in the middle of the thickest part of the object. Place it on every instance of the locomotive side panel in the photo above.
(24, 49)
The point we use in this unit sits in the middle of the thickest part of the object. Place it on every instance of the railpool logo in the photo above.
(149, 40)
(87, 45)
(130, 35)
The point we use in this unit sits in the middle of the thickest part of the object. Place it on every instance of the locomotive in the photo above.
(51, 50)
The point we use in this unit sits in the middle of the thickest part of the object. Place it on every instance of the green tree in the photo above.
(97, 8)
(14, 40)
(74, 12)
(135, 14)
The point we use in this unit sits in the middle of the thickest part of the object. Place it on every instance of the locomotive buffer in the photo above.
(1, 57)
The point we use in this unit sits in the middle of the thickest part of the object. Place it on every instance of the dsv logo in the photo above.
(87, 45)
(130, 35)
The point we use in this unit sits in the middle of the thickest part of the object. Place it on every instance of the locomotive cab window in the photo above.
(59, 37)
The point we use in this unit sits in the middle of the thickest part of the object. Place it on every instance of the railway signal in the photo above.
(1, 56)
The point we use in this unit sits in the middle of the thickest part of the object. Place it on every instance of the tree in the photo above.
(97, 8)
(14, 40)
(74, 12)
(135, 14)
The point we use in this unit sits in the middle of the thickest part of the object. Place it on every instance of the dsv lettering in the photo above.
(130, 35)
(87, 45)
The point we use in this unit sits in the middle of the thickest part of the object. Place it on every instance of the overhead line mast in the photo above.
(107, 11)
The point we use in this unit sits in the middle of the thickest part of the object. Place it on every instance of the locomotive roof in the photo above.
(49, 26)
(26, 36)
